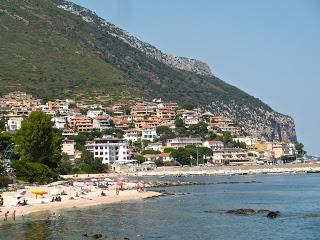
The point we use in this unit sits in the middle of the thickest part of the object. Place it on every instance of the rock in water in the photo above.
(263, 212)
(273, 214)
(242, 212)
(97, 236)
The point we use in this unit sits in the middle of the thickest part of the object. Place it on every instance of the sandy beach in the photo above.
(71, 200)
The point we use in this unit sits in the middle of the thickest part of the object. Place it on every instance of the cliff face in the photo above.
(65, 50)
(182, 63)
(257, 121)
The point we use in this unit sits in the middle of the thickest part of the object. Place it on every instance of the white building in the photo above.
(59, 122)
(110, 150)
(14, 123)
(102, 122)
(249, 141)
(214, 145)
(182, 142)
(149, 133)
(231, 156)
(155, 147)
(133, 134)
(94, 113)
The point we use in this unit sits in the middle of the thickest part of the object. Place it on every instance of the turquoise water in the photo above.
(185, 217)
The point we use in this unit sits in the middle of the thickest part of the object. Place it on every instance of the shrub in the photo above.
(33, 172)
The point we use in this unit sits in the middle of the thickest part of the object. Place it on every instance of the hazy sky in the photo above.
(270, 49)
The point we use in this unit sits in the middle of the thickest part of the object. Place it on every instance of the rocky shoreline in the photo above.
(232, 170)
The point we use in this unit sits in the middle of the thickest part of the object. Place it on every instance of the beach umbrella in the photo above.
(38, 192)
(54, 192)
(120, 184)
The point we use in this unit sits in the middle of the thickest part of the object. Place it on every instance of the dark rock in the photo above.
(273, 214)
(97, 236)
(263, 212)
(242, 212)
(208, 211)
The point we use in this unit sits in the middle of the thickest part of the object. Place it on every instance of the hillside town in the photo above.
(146, 134)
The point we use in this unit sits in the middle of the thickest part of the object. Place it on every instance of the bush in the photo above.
(33, 172)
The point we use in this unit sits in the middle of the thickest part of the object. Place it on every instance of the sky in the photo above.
(270, 49)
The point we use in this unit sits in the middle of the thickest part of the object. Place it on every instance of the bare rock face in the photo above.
(257, 121)
(182, 63)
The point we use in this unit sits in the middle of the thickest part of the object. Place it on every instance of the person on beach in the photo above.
(1, 201)
(14, 215)
(6, 216)
(117, 191)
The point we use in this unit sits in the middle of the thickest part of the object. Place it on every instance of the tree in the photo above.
(238, 144)
(150, 152)
(164, 130)
(164, 133)
(88, 164)
(299, 147)
(179, 122)
(199, 129)
(34, 172)
(139, 158)
(212, 136)
(6, 139)
(65, 165)
(182, 156)
(2, 124)
(127, 110)
(284, 158)
(37, 141)
(198, 152)
(187, 106)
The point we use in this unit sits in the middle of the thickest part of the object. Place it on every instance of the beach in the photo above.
(73, 199)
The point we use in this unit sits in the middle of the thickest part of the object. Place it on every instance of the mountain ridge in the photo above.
(182, 63)
(64, 54)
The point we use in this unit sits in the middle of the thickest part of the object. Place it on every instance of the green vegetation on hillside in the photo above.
(53, 53)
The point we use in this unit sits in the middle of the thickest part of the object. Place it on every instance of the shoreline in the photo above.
(216, 170)
(233, 170)
(91, 199)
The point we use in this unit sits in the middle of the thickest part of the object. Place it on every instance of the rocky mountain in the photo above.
(54, 48)
(182, 63)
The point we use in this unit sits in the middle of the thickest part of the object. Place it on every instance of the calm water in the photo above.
(184, 217)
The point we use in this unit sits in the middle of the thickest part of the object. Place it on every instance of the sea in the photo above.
(192, 212)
